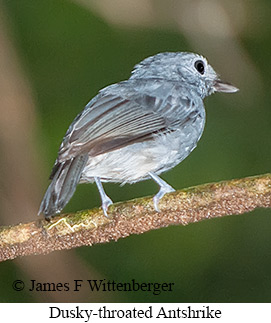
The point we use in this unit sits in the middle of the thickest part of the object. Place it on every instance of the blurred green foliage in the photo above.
(68, 54)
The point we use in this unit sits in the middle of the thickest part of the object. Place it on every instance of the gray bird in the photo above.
(136, 129)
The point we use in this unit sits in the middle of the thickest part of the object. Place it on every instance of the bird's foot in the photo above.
(106, 202)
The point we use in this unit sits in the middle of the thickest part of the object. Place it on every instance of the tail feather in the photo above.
(66, 176)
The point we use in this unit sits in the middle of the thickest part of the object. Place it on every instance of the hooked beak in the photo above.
(221, 86)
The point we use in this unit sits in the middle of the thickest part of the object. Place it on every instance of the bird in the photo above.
(136, 129)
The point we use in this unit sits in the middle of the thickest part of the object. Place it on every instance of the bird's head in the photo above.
(191, 69)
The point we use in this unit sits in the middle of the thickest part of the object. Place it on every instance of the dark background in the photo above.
(54, 57)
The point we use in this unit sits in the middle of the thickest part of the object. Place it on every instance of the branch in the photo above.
(135, 217)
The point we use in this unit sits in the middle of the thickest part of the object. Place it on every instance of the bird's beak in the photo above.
(221, 86)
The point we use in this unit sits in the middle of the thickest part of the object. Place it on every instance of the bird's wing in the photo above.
(120, 117)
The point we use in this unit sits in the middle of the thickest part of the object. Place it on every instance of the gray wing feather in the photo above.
(122, 115)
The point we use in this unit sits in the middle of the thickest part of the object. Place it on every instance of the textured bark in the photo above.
(135, 217)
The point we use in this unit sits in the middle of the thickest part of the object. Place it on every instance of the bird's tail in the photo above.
(65, 177)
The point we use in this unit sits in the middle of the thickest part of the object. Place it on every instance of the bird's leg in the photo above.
(106, 201)
(164, 188)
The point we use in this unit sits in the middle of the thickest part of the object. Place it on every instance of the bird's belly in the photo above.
(133, 163)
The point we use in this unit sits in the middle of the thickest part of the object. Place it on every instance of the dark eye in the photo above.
(199, 65)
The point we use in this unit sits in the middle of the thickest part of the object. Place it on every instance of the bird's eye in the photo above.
(199, 66)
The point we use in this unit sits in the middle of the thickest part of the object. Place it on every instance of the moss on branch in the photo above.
(89, 227)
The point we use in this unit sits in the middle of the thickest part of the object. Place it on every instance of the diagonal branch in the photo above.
(134, 217)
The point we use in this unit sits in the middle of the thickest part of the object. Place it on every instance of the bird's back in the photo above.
(175, 122)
